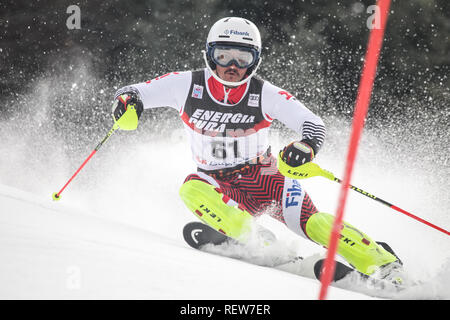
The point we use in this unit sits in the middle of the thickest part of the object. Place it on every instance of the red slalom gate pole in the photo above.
(361, 108)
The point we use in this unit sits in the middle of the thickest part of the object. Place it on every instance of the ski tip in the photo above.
(340, 271)
(197, 234)
(55, 196)
(318, 268)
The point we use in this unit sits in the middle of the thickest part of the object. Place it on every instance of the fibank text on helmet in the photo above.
(237, 33)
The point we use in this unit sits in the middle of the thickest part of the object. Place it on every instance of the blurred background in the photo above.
(313, 48)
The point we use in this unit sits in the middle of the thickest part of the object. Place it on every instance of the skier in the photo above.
(227, 111)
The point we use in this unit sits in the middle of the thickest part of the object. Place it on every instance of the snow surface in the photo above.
(119, 236)
(50, 251)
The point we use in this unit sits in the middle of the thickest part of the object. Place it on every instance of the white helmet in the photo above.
(234, 32)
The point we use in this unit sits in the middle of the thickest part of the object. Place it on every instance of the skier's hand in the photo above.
(123, 102)
(297, 153)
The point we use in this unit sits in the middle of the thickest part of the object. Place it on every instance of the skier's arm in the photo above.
(279, 104)
(169, 90)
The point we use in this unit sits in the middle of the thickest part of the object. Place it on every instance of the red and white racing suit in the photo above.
(228, 132)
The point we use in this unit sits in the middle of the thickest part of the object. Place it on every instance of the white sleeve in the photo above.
(277, 103)
(169, 90)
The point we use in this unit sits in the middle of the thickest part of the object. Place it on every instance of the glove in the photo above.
(297, 153)
(127, 108)
(123, 102)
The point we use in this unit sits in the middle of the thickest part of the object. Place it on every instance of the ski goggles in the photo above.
(225, 56)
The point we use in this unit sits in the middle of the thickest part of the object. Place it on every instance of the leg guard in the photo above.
(354, 246)
(210, 205)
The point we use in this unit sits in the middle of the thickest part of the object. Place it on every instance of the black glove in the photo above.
(122, 103)
(297, 153)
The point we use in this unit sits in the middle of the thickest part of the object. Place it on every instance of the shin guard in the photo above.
(358, 249)
(210, 205)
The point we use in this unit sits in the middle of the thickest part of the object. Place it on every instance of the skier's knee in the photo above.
(308, 209)
(211, 206)
(297, 207)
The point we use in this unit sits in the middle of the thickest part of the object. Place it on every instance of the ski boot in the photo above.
(392, 272)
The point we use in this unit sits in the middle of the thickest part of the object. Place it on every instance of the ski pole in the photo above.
(312, 169)
(57, 195)
(390, 205)
(330, 176)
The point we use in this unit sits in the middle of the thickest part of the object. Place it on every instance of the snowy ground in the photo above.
(116, 232)
(55, 252)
